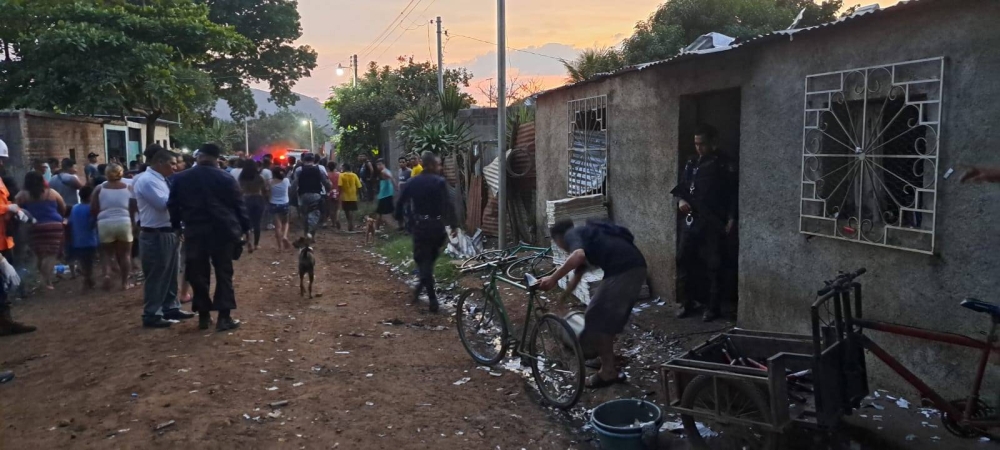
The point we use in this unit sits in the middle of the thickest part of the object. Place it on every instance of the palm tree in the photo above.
(593, 61)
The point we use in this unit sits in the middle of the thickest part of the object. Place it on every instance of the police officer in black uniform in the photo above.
(707, 204)
(430, 209)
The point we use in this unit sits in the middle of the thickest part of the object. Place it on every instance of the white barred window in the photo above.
(870, 154)
(588, 146)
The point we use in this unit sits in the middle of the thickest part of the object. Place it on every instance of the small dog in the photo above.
(371, 222)
(307, 263)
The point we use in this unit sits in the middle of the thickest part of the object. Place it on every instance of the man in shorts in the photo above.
(611, 248)
(349, 185)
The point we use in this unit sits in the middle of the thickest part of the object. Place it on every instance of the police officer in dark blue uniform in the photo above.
(430, 209)
(707, 203)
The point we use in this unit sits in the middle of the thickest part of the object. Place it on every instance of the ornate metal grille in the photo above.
(870, 154)
(588, 146)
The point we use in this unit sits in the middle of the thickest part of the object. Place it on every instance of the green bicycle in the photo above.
(553, 351)
(522, 258)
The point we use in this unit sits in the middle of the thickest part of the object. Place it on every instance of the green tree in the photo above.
(272, 27)
(381, 94)
(677, 23)
(223, 133)
(593, 61)
(283, 128)
(112, 56)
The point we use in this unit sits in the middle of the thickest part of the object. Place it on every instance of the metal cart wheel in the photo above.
(728, 399)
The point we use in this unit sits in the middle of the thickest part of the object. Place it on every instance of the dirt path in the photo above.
(92, 377)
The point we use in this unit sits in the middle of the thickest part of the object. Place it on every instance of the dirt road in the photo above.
(357, 367)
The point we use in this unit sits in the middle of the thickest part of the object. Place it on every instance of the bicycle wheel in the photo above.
(535, 265)
(732, 400)
(558, 365)
(482, 326)
(481, 260)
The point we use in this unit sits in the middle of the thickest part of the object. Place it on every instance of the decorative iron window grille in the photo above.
(588, 146)
(870, 154)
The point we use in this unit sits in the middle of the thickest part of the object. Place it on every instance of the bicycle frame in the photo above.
(856, 325)
(493, 289)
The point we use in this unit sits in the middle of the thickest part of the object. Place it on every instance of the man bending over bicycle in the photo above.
(611, 248)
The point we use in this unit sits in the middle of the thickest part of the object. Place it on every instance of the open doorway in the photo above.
(721, 111)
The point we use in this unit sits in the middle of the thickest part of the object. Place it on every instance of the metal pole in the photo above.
(246, 135)
(312, 141)
(354, 60)
(440, 59)
(502, 120)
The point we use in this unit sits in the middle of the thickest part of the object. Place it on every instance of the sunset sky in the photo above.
(555, 28)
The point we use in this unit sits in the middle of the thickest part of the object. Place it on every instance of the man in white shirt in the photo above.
(158, 243)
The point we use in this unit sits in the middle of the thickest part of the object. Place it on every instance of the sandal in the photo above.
(596, 382)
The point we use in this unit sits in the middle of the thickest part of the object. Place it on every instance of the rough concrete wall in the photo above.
(390, 145)
(483, 122)
(643, 126)
(780, 270)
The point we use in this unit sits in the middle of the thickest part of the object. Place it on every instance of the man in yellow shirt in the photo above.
(415, 167)
(349, 185)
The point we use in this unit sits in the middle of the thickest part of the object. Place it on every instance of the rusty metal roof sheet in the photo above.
(863, 14)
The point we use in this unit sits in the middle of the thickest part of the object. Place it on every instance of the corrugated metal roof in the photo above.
(758, 40)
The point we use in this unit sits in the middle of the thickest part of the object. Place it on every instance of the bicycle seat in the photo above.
(530, 282)
(983, 307)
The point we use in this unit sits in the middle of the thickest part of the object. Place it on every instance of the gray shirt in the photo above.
(64, 183)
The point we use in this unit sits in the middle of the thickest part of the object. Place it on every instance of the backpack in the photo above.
(612, 229)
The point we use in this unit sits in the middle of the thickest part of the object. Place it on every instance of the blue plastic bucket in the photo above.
(617, 427)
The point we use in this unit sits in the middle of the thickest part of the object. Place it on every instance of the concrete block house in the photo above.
(849, 136)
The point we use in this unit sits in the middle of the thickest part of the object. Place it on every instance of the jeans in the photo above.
(204, 252)
(309, 210)
(160, 264)
(255, 209)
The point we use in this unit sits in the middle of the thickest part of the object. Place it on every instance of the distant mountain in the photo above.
(306, 105)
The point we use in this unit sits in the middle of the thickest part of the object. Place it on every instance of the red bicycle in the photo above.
(967, 417)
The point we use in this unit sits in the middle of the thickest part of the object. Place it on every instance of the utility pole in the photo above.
(440, 59)
(502, 120)
(354, 63)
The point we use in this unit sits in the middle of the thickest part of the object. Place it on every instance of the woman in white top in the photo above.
(279, 206)
(114, 206)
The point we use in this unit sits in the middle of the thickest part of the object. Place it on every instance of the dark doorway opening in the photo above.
(720, 110)
(116, 142)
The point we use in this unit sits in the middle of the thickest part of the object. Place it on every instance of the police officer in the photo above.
(430, 209)
(707, 203)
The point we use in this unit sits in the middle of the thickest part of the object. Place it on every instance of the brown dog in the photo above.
(370, 225)
(307, 263)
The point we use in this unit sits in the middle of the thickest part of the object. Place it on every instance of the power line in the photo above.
(509, 48)
(397, 40)
(372, 50)
(387, 27)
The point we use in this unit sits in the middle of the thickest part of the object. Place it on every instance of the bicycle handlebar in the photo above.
(843, 280)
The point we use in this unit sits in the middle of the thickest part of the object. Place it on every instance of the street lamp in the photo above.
(312, 139)
(353, 66)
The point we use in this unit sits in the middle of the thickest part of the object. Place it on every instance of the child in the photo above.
(83, 230)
